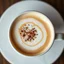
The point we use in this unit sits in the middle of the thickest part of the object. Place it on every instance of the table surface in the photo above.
(58, 4)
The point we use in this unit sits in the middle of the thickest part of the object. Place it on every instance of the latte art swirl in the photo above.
(29, 34)
(23, 37)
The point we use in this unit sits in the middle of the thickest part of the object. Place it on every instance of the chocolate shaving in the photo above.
(31, 34)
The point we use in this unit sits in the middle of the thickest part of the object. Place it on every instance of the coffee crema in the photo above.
(29, 34)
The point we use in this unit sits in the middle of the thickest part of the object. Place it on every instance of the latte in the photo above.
(30, 34)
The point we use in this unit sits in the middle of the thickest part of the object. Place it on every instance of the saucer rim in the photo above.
(1, 21)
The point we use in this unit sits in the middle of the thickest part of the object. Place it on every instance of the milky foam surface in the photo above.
(41, 34)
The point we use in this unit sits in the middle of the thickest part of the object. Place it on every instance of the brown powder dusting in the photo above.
(28, 34)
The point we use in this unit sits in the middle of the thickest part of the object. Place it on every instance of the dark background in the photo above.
(58, 4)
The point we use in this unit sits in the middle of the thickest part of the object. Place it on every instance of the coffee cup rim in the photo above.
(48, 47)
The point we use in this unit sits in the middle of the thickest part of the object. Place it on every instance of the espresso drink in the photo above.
(31, 33)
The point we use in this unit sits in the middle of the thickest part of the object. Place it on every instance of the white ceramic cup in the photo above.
(51, 27)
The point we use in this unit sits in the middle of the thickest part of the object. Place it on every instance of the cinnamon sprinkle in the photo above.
(28, 35)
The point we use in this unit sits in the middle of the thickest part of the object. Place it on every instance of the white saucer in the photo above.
(11, 13)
